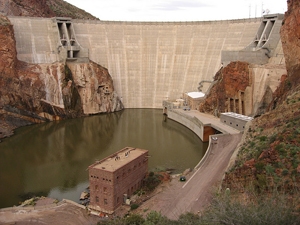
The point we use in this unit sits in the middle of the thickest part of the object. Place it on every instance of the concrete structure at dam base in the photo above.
(203, 125)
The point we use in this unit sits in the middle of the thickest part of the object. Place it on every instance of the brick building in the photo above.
(116, 177)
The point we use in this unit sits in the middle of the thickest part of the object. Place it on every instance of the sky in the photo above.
(178, 10)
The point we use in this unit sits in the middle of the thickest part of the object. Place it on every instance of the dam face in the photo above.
(148, 61)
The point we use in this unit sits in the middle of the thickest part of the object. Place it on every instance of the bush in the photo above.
(284, 172)
(134, 219)
(152, 181)
(259, 166)
(189, 218)
(134, 206)
(270, 170)
(263, 138)
(154, 217)
(276, 210)
(272, 138)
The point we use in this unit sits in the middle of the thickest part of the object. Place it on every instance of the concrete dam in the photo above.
(149, 61)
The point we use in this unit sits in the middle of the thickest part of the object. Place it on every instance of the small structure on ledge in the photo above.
(237, 121)
(193, 99)
(113, 179)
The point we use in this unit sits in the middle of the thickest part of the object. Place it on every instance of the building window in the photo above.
(104, 189)
(237, 125)
(97, 199)
(105, 201)
(118, 199)
(230, 123)
(96, 187)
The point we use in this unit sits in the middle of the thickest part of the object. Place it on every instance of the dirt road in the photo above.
(194, 194)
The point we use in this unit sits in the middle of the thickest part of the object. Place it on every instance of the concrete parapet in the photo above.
(190, 122)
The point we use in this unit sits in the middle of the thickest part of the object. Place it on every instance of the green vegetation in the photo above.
(134, 206)
(152, 180)
(276, 156)
(4, 21)
(227, 208)
(64, 9)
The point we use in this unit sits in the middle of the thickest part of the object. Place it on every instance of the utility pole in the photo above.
(249, 10)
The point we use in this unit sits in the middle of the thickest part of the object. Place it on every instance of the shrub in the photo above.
(272, 138)
(257, 210)
(259, 166)
(285, 172)
(281, 145)
(269, 169)
(263, 138)
(134, 219)
(154, 217)
(189, 218)
(134, 206)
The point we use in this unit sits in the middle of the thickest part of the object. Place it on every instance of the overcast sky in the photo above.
(178, 10)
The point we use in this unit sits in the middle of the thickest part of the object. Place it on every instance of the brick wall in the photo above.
(107, 188)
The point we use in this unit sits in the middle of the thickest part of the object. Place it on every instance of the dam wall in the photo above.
(148, 61)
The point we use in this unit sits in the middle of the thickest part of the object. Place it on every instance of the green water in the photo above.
(52, 159)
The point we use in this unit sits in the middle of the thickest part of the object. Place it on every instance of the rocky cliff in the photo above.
(228, 82)
(243, 88)
(43, 8)
(34, 93)
(269, 155)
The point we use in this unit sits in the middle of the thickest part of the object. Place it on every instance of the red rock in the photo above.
(298, 169)
(230, 80)
(250, 163)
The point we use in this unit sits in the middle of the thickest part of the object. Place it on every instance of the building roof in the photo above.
(119, 159)
(237, 116)
(196, 94)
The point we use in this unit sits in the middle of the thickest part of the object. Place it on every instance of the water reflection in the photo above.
(52, 159)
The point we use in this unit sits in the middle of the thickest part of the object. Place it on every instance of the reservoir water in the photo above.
(51, 159)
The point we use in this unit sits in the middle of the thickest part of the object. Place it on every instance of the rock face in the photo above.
(42, 8)
(228, 82)
(95, 87)
(243, 88)
(269, 155)
(290, 37)
(34, 93)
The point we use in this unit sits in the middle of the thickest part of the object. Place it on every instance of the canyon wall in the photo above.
(34, 93)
